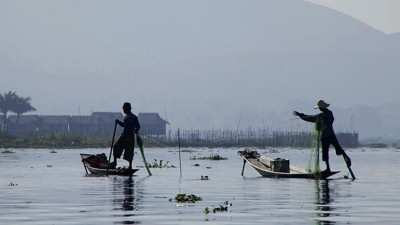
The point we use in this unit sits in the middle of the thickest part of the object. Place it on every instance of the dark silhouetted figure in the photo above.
(325, 120)
(126, 141)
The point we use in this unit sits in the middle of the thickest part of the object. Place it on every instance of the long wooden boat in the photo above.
(103, 171)
(265, 166)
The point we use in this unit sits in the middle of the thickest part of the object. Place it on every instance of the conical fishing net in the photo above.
(314, 154)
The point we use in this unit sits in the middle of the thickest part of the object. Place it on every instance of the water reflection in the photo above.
(124, 198)
(323, 201)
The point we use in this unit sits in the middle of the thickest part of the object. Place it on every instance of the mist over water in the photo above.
(201, 64)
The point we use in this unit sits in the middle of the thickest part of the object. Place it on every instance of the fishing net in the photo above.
(314, 154)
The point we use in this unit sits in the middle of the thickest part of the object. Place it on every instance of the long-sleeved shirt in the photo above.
(326, 119)
(131, 124)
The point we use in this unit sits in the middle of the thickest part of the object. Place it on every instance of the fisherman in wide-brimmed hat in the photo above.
(321, 105)
(324, 122)
(125, 142)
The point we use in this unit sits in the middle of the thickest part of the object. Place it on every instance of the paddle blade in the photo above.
(139, 142)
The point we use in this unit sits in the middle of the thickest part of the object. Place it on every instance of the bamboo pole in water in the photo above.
(179, 147)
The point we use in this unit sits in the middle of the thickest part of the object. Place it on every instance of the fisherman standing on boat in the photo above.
(126, 140)
(328, 137)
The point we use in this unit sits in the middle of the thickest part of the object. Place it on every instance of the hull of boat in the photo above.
(262, 165)
(102, 171)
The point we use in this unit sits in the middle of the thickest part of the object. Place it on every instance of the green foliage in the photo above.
(159, 164)
(187, 198)
(223, 207)
(211, 157)
(12, 102)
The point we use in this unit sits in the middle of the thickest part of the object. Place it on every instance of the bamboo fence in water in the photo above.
(249, 137)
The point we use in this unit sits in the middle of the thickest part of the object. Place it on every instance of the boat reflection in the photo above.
(323, 202)
(124, 198)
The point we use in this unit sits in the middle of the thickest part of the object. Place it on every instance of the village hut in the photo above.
(152, 124)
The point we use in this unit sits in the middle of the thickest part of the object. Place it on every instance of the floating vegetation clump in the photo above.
(204, 177)
(7, 151)
(188, 151)
(223, 207)
(12, 184)
(159, 164)
(185, 198)
(211, 157)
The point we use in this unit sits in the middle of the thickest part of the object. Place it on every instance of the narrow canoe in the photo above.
(262, 165)
(102, 171)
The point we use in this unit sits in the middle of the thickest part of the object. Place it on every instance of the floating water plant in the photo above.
(204, 178)
(7, 151)
(223, 207)
(12, 184)
(159, 164)
(211, 157)
(185, 198)
(188, 151)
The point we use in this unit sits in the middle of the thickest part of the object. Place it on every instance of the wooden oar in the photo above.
(348, 166)
(244, 163)
(139, 142)
(84, 166)
(112, 145)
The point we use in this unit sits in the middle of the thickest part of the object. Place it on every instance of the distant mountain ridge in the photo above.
(206, 62)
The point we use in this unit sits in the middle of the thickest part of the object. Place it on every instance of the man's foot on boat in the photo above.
(112, 165)
(327, 171)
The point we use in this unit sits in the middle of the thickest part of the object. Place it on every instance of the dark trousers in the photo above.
(326, 142)
(124, 144)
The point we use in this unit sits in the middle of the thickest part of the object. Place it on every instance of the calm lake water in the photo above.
(40, 187)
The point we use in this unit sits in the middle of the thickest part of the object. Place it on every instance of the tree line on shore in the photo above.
(11, 102)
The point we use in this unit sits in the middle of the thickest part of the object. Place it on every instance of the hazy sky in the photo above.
(383, 15)
(201, 63)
